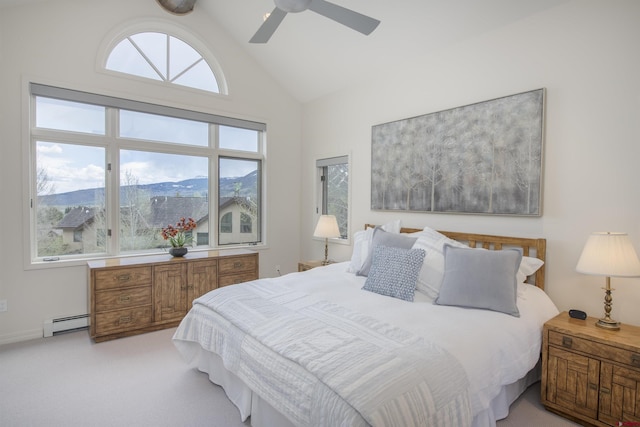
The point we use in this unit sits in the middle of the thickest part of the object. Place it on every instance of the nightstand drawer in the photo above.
(122, 320)
(123, 298)
(592, 348)
(122, 277)
(237, 264)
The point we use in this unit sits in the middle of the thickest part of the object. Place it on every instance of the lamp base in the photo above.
(609, 324)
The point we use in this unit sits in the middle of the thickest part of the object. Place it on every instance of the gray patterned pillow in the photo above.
(394, 271)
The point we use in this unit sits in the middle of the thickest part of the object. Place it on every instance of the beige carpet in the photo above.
(68, 380)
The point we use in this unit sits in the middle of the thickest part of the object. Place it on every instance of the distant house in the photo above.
(73, 225)
(237, 223)
(167, 210)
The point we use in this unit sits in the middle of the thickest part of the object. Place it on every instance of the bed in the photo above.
(419, 327)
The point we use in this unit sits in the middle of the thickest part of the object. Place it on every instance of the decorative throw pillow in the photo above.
(362, 243)
(394, 272)
(383, 238)
(481, 279)
(432, 271)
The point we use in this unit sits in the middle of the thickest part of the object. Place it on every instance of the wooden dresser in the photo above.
(129, 296)
(590, 374)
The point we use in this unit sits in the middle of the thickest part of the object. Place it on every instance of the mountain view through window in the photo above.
(96, 194)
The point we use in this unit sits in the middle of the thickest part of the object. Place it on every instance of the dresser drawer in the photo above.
(122, 320)
(593, 348)
(234, 279)
(239, 264)
(123, 298)
(122, 277)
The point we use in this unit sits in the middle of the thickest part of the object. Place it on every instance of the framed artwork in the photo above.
(484, 158)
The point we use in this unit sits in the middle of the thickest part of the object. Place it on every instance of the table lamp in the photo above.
(327, 227)
(609, 254)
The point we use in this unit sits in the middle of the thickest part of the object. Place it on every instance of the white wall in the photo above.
(58, 43)
(585, 53)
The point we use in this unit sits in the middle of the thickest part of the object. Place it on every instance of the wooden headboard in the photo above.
(533, 247)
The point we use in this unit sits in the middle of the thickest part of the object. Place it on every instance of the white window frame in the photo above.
(168, 28)
(213, 152)
(321, 164)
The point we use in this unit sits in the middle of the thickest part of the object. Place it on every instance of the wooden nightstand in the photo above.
(308, 265)
(591, 375)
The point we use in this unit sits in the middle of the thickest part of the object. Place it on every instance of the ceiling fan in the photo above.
(178, 7)
(350, 18)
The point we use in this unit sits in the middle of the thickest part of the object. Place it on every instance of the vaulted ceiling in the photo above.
(312, 56)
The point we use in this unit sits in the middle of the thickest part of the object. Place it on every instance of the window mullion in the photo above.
(112, 182)
(173, 79)
(214, 178)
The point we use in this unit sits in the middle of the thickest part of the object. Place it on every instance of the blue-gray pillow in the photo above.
(394, 272)
(384, 238)
(478, 278)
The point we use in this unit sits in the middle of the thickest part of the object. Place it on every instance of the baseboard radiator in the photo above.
(65, 324)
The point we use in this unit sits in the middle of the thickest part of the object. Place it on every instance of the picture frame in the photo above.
(482, 158)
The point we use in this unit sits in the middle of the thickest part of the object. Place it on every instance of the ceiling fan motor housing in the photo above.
(178, 7)
(292, 6)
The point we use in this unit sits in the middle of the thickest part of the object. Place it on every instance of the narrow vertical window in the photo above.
(333, 174)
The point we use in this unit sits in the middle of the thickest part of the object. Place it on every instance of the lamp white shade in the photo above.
(327, 227)
(609, 254)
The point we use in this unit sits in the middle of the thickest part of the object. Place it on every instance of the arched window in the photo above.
(245, 223)
(226, 223)
(163, 57)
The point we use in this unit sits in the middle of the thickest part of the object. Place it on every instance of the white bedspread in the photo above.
(493, 349)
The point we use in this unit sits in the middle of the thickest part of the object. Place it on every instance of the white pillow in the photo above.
(432, 272)
(528, 266)
(362, 243)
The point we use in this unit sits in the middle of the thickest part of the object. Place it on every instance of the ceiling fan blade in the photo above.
(351, 19)
(269, 26)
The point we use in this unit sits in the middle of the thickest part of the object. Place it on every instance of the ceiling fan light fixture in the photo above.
(177, 7)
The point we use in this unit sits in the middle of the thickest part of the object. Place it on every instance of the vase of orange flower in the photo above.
(177, 237)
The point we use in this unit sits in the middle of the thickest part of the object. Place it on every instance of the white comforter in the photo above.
(494, 349)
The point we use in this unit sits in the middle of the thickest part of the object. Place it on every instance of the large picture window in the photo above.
(110, 173)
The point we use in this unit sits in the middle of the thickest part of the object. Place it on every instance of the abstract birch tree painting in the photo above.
(481, 158)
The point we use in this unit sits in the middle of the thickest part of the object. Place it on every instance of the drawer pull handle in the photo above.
(593, 386)
(635, 360)
(123, 277)
(238, 264)
(567, 342)
(125, 298)
(605, 390)
(125, 319)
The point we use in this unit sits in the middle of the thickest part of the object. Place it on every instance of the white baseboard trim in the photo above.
(21, 336)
